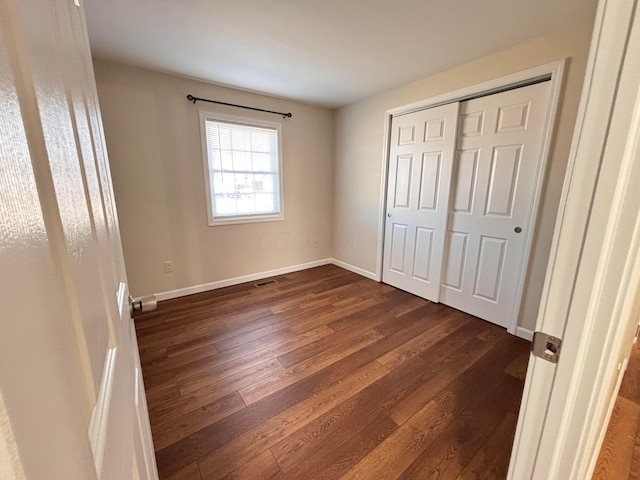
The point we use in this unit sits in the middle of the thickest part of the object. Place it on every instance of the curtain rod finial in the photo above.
(191, 98)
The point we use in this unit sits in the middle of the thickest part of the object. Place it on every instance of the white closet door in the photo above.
(420, 169)
(497, 160)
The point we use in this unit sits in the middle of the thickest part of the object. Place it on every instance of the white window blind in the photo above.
(243, 170)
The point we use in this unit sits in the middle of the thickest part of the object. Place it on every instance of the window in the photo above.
(242, 169)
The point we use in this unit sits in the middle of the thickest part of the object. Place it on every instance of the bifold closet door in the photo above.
(497, 161)
(420, 176)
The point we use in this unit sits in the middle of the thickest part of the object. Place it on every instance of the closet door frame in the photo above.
(554, 72)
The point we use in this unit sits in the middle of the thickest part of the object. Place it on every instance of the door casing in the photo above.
(554, 72)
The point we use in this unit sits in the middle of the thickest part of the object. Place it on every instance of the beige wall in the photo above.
(359, 143)
(153, 139)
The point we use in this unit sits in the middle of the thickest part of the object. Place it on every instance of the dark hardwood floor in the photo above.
(324, 375)
(620, 453)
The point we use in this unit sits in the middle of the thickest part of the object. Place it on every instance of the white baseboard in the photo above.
(182, 292)
(354, 269)
(205, 287)
(524, 333)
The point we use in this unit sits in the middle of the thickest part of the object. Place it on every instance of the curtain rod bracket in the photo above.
(193, 99)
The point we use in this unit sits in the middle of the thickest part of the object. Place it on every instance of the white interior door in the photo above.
(420, 167)
(592, 289)
(497, 163)
(70, 383)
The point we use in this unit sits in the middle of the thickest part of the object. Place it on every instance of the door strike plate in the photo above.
(546, 346)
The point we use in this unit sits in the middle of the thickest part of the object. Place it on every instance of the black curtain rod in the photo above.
(193, 99)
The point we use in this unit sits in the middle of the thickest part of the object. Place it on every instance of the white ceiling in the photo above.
(329, 52)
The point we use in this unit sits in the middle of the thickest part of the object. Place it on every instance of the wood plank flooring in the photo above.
(620, 453)
(326, 375)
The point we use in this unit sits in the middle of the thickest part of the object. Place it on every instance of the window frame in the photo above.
(209, 193)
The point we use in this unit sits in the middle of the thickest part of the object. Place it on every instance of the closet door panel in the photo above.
(419, 184)
(496, 166)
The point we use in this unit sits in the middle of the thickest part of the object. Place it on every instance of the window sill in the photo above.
(246, 219)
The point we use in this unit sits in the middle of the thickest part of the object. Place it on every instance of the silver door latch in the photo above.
(546, 346)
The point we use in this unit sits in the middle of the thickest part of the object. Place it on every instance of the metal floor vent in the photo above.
(266, 282)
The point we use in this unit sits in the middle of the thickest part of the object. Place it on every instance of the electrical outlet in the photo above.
(168, 266)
